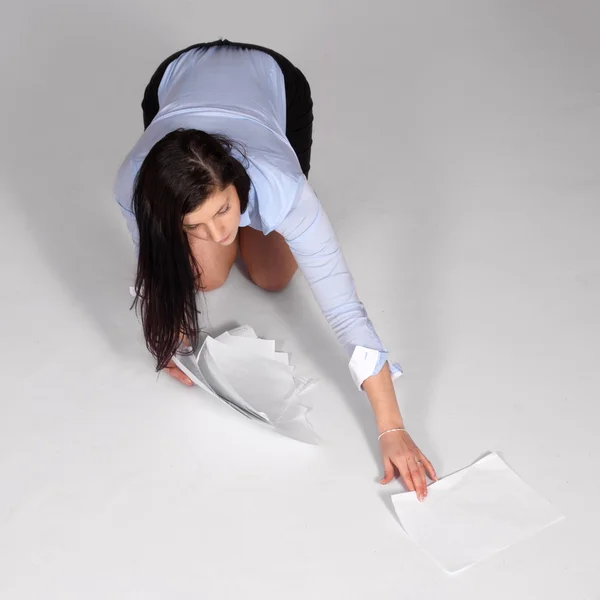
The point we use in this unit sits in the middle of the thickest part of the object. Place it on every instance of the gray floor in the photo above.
(456, 150)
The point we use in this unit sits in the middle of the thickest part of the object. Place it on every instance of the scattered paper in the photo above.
(248, 374)
(473, 514)
(264, 348)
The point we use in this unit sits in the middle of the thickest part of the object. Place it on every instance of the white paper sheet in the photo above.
(243, 331)
(218, 381)
(474, 513)
(254, 346)
(266, 385)
(248, 374)
(264, 348)
(244, 338)
(187, 363)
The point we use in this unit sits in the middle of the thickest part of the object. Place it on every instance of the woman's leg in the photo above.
(268, 258)
(215, 262)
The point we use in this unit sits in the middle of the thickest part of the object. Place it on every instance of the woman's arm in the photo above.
(311, 238)
(382, 396)
(397, 448)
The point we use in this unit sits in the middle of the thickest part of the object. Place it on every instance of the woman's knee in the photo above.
(214, 282)
(271, 282)
(268, 258)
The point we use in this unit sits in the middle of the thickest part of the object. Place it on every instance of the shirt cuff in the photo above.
(366, 362)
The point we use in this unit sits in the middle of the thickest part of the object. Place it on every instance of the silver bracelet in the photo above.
(389, 431)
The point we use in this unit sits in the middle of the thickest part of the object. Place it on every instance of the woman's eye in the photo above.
(225, 210)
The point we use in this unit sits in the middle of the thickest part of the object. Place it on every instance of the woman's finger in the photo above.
(418, 477)
(405, 473)
(429, 468)
(423, 476)
(388, 471)
(179, 375)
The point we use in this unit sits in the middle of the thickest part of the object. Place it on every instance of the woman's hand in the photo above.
(174, 371)
(400, 452)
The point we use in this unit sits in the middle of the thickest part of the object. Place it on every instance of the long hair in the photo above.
(179, 173)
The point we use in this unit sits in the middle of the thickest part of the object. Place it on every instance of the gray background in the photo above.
(456, 151)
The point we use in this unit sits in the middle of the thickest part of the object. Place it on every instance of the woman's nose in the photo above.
(216, 235)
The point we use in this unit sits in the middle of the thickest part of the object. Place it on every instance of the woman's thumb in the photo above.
(388, 473)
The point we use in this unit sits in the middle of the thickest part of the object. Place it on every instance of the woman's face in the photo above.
(217, 220)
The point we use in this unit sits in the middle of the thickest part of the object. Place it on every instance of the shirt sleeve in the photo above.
(123, 192)
(310, 236)
(131, 225)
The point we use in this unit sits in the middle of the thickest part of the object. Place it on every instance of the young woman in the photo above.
(222, 167)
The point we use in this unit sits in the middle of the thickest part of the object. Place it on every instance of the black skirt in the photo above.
(299, 105)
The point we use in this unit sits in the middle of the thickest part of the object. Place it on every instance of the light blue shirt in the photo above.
(241, 94)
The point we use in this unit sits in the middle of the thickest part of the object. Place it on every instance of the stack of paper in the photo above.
(473, 514)
(252, 377)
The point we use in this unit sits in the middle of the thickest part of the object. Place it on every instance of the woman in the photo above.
(222, 167)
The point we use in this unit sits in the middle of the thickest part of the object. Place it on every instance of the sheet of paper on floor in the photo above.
(474, 513)
(249, 375)
(258, 347)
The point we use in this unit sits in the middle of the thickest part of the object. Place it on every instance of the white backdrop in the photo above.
(456, 151)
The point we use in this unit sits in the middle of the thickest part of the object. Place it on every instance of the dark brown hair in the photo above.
(177, 176)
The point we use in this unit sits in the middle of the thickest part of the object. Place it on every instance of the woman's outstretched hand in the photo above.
(400, 453)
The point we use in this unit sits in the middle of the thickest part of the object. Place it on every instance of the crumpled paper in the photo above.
(248, 374)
